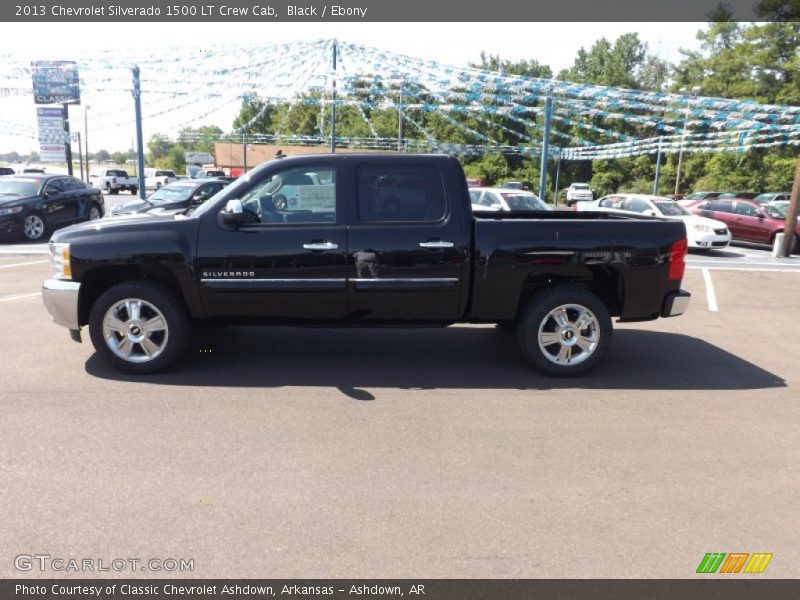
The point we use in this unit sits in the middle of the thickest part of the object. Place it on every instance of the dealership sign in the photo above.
(52, 137)
(55, 82)
(198, 158)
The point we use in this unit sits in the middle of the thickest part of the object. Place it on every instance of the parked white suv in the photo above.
(579, 192)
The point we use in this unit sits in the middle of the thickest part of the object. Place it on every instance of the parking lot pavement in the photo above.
(421, 453)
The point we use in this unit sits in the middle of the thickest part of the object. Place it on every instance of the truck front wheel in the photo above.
(139, 327)
(564, 331)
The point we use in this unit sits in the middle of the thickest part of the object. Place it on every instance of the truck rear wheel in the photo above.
(564, 331)
(139, 327)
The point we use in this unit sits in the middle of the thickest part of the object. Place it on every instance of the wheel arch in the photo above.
(98, 280)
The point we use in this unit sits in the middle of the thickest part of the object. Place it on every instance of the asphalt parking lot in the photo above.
(422, 453)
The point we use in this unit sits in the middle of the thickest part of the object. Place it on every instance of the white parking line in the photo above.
(33, 262)
(710, 295)
(20, 297)
(745, 269)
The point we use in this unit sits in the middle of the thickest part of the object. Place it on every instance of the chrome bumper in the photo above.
(61, 300)
(675, 303)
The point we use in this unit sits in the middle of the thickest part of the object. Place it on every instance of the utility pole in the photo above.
(400, 121)
(548, 113)
(558, 174)
(695, 89)
(791, 216)
(80, 152)
(333, 103)
(658, 165)
(86, 137)
(137, 105)
(244, 152)
(67, 139)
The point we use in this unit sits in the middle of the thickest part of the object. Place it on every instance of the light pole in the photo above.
(86, 108)
(695, 89)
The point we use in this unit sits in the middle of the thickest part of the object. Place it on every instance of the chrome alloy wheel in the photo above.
(135, 330)
(94, 213)
(33, 227)
(569, 334)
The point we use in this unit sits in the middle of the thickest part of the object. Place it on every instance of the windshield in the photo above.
(671, 209)
(580, 186)
(764, 197)
(19, 187)
(523, 202)
(775, 212)
(171, 193)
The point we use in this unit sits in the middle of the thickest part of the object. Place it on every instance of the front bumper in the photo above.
(675, 303)
(11, 224)
(61, 300)
(705, 241)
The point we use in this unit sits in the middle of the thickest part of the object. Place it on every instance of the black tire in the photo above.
(173, 342)
(89, 208)
(37, 234)
(114, 191)
(536, 318)
(108, 188)
(134, 191)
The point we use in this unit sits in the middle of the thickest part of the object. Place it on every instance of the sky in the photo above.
(458, 44)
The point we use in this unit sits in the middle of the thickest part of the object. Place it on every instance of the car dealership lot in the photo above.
(422, 453)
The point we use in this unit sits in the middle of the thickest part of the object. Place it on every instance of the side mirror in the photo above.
(233, 213)
(497, 206)
(650, 212)
(761, 215)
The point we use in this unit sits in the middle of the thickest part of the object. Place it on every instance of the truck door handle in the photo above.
(321, 246)
(436, 244)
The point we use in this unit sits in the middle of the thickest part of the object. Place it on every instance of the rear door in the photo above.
(747, 221)
(407, 248)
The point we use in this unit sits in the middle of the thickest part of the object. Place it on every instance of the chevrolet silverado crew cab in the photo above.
(363, 241)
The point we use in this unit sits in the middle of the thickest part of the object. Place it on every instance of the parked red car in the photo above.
(747, 220)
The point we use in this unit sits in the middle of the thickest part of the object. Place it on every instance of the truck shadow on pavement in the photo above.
(453, 358)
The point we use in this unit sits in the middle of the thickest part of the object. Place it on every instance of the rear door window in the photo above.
(406, 193)
(745, 209)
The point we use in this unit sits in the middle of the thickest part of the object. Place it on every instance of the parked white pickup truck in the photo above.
(111, 181)
(155, 179)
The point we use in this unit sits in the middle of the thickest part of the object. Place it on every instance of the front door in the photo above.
(288, 260)
(60, 202)
(407, 246)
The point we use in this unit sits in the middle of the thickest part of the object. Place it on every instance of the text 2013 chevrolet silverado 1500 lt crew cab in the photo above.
(363, 240)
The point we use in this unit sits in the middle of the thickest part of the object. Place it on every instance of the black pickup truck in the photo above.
(363, 240)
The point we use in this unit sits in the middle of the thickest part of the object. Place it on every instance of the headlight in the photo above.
(60, 261)
(706, 228)
(10, 211)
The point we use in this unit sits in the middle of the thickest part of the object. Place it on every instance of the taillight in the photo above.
(676, 263)
(114, 180)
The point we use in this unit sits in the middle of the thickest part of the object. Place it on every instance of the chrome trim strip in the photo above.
(266, 285)
(409, 279)
(339, 279)
(406, 284)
